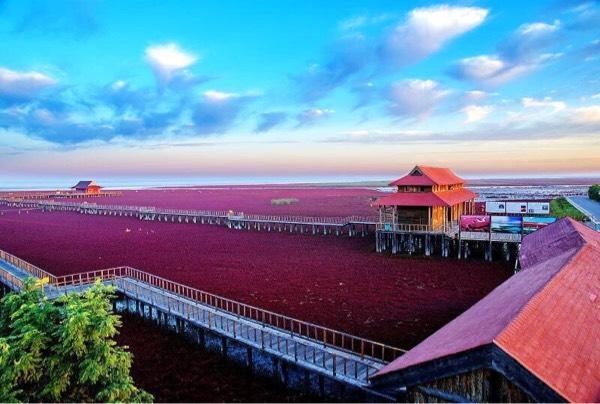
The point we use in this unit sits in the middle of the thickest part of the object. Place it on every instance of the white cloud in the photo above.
(23, 84)
(428, 29)
(587, 115)
(547, 102)
(312, 115)
(476, 95)
(481, 67)
(118, 85)
(415, 97)
(519, 54)
(538, 28)
(492, 70)
(44, 117)
(167, 60)
(476, 113)
(218, 96)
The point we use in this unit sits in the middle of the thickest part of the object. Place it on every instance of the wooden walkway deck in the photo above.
(352, 225)
(340, 356)
(56, 195)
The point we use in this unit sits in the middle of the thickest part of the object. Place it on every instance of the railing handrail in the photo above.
(26, 266)
(317, 220)
(231, 306)
(211, 299)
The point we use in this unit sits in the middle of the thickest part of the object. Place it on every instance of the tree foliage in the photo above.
(63, 350)
(594, 192)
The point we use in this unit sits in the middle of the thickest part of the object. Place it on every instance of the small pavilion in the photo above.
(87, 187)
(427, 199)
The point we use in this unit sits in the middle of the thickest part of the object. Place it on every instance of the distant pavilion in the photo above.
(428, 199)
(87, 187)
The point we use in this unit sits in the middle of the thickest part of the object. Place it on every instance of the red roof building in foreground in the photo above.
(427, 198)
(533, 338)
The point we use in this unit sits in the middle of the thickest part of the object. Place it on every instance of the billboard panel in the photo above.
(538, 208)
(476, 223)
(516, 207)
(531, 224)
(495, 207)
(506, 237)
(506, 224)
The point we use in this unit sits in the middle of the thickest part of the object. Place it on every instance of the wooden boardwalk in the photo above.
(56, 195)
(352, 225)
(340, 356)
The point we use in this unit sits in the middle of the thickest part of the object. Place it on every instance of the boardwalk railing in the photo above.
(340, 340)
(56, 194)
(26, 266)
(416, 228)
(231, 215)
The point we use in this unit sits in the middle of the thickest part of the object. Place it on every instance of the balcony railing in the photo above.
(450, 227)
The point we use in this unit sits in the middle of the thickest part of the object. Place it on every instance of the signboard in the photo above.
(474, 235)
(506, 224)
(506, 237)
(495, 207)
(516, 207)
(538, 208)
(531, 224)
(475, 223)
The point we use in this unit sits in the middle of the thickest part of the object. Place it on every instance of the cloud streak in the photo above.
(311, 116)
(19, 85)
(217, 111)
(519, 54)
(414, 97)
(426, 31)
(169, 62)
(270, 120)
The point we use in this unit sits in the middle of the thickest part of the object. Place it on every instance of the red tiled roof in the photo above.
(546, 317)
(442, 198)
(430, 176)
(456, 196)
(85, 185)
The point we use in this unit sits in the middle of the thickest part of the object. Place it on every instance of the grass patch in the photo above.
(560, 207)
(283, 201)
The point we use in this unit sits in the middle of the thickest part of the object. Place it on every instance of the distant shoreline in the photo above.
(483, 182)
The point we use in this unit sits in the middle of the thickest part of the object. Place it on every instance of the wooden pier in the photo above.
(352, 225)
(338, 356)
(19, 195)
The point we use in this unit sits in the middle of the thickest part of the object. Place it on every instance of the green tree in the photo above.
(63, 349)
(594, 192)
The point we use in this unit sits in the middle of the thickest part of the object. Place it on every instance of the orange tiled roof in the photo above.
(442, 198)
(546, 317)
(429, 176)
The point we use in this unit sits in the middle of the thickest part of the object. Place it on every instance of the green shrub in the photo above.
(63, 350)
(594, 192)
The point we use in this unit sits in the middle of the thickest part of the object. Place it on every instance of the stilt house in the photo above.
(427, 199)
(87, 187)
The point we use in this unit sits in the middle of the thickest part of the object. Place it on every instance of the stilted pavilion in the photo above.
(423, 214)
(428, 199)
(87, 187)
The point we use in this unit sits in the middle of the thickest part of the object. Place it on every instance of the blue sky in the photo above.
(282, 88)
